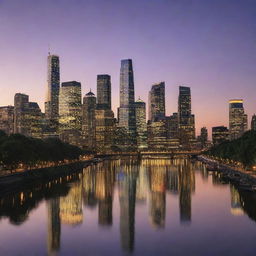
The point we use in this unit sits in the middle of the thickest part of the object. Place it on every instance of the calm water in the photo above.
(130, 207)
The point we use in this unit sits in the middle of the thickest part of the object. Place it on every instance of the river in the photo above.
(130, 207)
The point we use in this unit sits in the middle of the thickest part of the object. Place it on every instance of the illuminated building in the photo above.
(53, 87)
(237, 119)
(219, 134)
(156, 102)
(7, 119)
(126, 111)
(104, 116)
(172, 126)
(253, 123)
(71, 211)
(70, 112)
(54, 226)
(186, 120)
(203, 138)
(88, 120)
(103, 92)
(27, 116)
(141, 125)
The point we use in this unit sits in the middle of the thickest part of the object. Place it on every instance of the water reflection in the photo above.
(142, 182)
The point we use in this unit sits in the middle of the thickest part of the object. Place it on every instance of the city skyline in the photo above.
(213, 58)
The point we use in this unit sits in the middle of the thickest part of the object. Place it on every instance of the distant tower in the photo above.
(141, 125)
(237, 119)
(103, 92)
(185, 118)
(126, 111)
(203, 136)
(253, 122)
(53, 86)
(157, 102)
(88, 119)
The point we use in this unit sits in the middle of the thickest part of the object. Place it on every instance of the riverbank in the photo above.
(241, 178)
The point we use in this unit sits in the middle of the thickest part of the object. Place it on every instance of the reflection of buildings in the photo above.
(71, 212)
(54, 226)
(142, 185)
(157, 178)
(187, 185)
(127, 195)
(236, 207)
(173, 181)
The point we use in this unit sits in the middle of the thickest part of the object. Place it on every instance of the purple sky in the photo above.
(209, 45)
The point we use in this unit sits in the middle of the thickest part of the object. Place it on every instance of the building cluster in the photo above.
(90, 122)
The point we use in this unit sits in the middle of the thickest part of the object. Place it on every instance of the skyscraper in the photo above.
(141, 125)
(103, 92)
(253, 123)
(219, 134)
(237, 119)
(185, 118)
(156, 101)
(53, 86)
(7, 119)
(203, 137)
(88, 119)
(70, 106)
(126, 111)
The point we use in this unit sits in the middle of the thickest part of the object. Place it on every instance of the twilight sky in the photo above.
(209, 45)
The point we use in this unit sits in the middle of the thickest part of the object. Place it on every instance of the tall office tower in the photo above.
(237, 119)
(88, 120)
(140, 114)
(53, 86)
(20, 109)
(172, 126)
(203, 137)
(253, 123)
(220, 134)
(156, 101)
(103, 92)
(7, 119)
(185, 118)
(126, 111)
(27, 116)
(70, 109)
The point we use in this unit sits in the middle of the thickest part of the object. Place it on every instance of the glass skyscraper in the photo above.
(103, 92)
(185, 118)
(126, 111)
(53, 87)
(156, 102)
(237, 119)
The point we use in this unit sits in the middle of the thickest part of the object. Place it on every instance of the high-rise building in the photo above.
(203, 137)
(219, 134)
(140, 113)
(103, 92)
(126, 111)
(253, 123)
(70, 106)
(53, 86)
(237, 119)
(156, 101)
(88, 120)
(7, 119)
(27, 116)
(172, 126)
(185, 118)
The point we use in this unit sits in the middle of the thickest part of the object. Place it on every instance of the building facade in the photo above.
(53, 87)
(219, 134)
(141, 124)
(186, 119)
(126, 111)
(237, 119)
(156, 102)
(103, 92)
(88, 120)
(7, 119)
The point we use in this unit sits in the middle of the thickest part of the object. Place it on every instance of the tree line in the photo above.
(242, 149)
